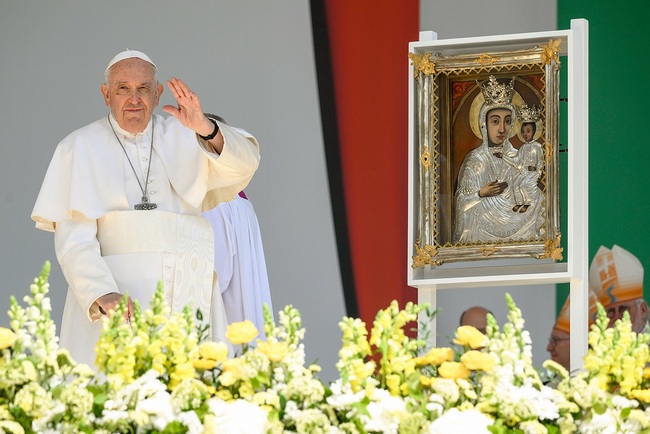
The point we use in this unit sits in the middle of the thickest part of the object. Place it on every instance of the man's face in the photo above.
(559, 347)
(499, 122)
(475, 317)
(132, 93)
(527, 132)
(638, 310)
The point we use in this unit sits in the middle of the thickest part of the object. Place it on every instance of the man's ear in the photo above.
(159, 91)
(104, 90)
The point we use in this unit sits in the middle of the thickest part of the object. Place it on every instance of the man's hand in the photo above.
(109, 302)
(189, 111)
(190, 114)
(493, 188)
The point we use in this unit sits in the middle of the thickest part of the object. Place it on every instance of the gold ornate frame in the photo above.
(445, 85)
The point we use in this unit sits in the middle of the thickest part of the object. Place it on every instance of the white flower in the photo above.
(188, 395)
(342, 395)
(191, 421)
(305, 389)
(311, 421)
(384, 412)
(436, 405)
(44, 423)
(599, 424)
(447, 389)
(158, 408)
(237, 417)
(533, 427)
(622, 402)
(33, 400)
(455, 421)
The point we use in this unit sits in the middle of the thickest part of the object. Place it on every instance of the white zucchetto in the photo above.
(129, 54)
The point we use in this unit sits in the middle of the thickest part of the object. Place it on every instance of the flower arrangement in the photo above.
(158, 374)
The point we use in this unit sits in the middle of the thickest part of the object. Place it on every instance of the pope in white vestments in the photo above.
(124, 195)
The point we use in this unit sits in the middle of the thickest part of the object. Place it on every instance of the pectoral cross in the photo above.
(145, 205)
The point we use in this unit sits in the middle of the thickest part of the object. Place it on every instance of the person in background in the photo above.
(239, 261)
(475, 316)
(559, 343)
(616, 277)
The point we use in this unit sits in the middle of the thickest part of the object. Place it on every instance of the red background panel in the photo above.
(369, 49)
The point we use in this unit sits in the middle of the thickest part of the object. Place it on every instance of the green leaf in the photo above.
(20, 417)
(600, 408)
(552, 429)
(174, 427)
(626, 411)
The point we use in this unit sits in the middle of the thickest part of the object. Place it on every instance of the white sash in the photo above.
(185, 240)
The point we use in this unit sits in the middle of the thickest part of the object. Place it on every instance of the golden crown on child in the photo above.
(529, 114)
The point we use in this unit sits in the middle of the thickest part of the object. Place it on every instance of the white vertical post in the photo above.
(428, 35)
(427, 294)
(578, 200)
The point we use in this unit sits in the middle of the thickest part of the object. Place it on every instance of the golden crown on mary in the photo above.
(497, 93)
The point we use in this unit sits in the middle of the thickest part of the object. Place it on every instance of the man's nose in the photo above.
(134, 95)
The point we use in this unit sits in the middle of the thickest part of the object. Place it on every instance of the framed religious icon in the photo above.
(486, 142)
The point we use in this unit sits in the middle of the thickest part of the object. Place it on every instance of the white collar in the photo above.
(118, 129)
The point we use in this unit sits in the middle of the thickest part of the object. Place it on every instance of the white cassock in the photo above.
(103, 245)
(239, 261)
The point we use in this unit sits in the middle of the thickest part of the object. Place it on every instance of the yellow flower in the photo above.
(275, 351)
(205, 364)
(267, 399)
(477, 361)
(435, 357)
(384, 320)
(392, 382)
(453, 370)
(233, 370)
(236, 366)
(183, 371)
(425, 381)
(7, 338)
(468, 335)
(405, 389)
(224, 394)
(241, 332)
(11, 426)
(641, 395)
(246, 390)
(217, 351)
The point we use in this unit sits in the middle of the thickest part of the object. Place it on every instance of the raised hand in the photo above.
(189, 111)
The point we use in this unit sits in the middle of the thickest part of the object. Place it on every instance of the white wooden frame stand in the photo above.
(574, 271)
